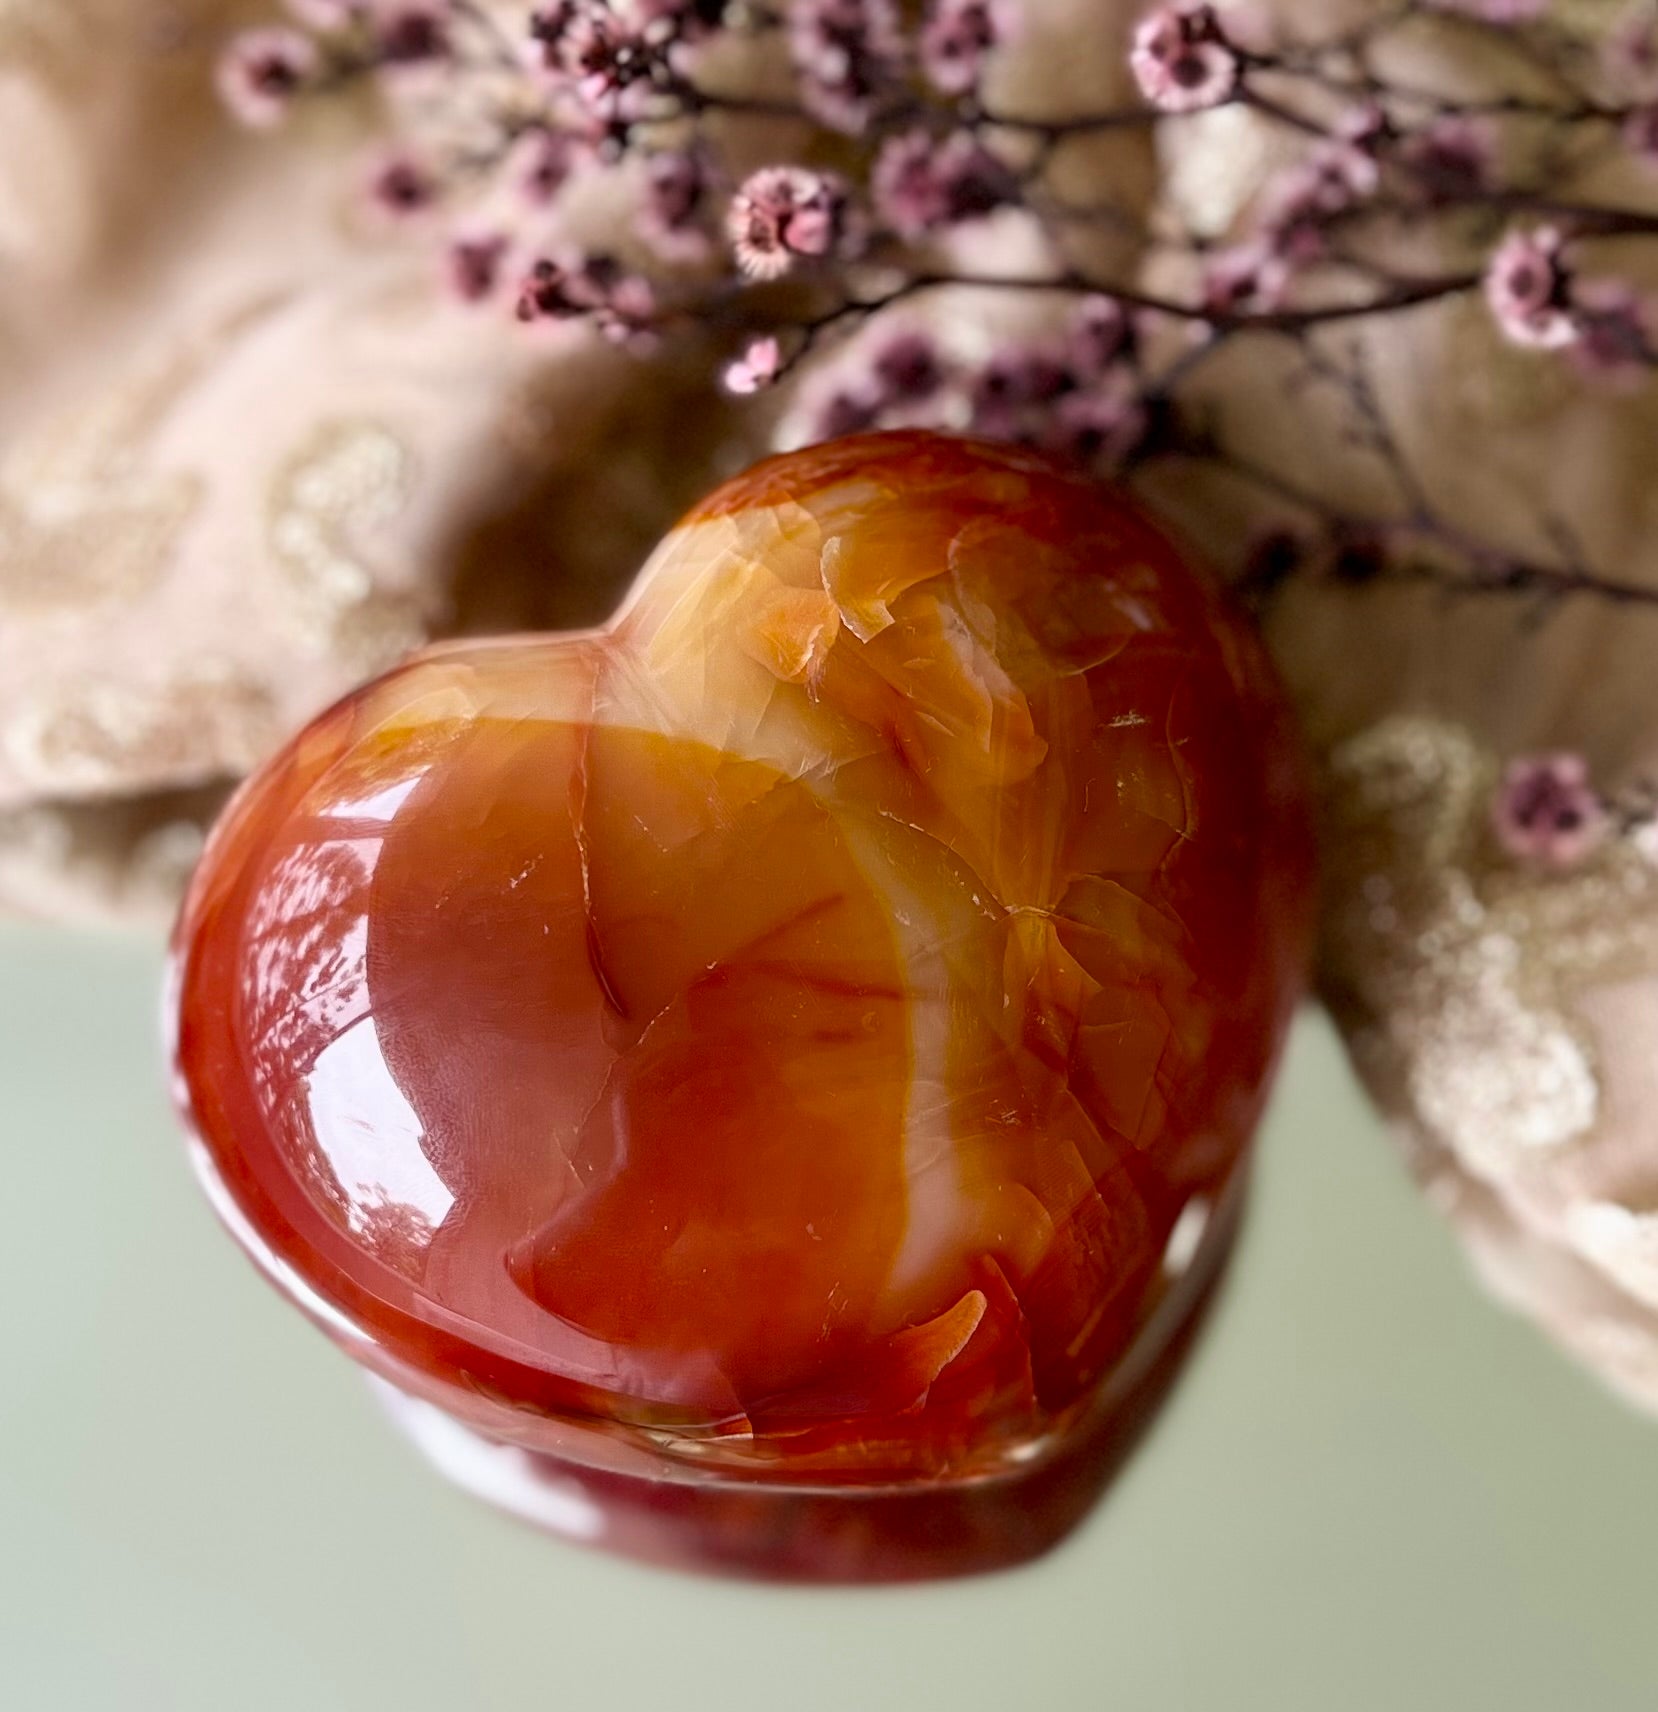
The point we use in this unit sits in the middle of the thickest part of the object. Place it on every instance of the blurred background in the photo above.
(1371, 1489)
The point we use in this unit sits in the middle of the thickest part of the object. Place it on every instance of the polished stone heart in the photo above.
(798, 1042)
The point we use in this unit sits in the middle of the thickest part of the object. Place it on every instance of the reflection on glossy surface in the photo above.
(370, 1135)
(796, 1037)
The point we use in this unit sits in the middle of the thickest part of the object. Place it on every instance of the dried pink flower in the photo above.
(1101, 333)
(1355, 555)
(1270, 560)
(1300, 203)
(1640, 134)
(610, 62)
(957, 37)
(1528, 285)
(904, 184)
(756, 369)
(1547, 813)
(1099, 428)
(673, 219)
(621, 305)
(399, 185)
(847, 410)
(557, 290)
(975, 179)
(679, 20)
(1614, 338)
(1368, 127)
(261, 72)
(848, 54)
(1249, 277)
(783, 213)
(906, 367)
(540, 164)
(596, 85)
(1629, 54)
(603, 52)
(1014, 382)
(473, 264)
(411, 32)
(604, 58)
(1449, 160)
(627, 313)
(546, 28)
(920, 182)
(1183, 59)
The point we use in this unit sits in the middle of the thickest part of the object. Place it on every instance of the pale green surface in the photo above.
(1373, 1492)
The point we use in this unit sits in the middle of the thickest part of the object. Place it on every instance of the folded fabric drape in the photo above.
(248, 454)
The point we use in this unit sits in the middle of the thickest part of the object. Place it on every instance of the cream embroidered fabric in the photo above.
(1505, 1020)
(247, 455)
(248, 452)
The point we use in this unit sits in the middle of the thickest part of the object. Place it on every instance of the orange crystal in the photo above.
(786, 1045)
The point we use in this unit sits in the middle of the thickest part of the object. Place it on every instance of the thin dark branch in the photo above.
(1466, 566)
(1408, 294)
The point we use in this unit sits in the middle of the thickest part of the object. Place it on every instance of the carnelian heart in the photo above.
(762, 1070)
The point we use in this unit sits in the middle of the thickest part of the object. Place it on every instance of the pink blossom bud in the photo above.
(1529, 288)
(1640, 134)
(540, 163)
(783, 213)
(411, 32)
(261, 73)
(756, 369)
(1101, 428)
(921, 183)
(1102, 332)
(400, 185)
(907, 368)
(673, 218)
(1245, 278)
(1614, 339)
(847, 54)
(473, 264)
(1182, 58)
(1547, 813)
(957, 38)
(1449, 159)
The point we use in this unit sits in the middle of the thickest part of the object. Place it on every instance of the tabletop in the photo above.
(1371, 1491)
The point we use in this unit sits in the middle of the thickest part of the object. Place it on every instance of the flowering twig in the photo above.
(813, 268)
(1416, 544)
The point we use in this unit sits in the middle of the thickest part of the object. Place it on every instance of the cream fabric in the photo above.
(248, 454)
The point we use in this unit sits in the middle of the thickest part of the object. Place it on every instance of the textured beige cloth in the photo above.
(247, 454)
(248, 451)
(1505, 1019)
